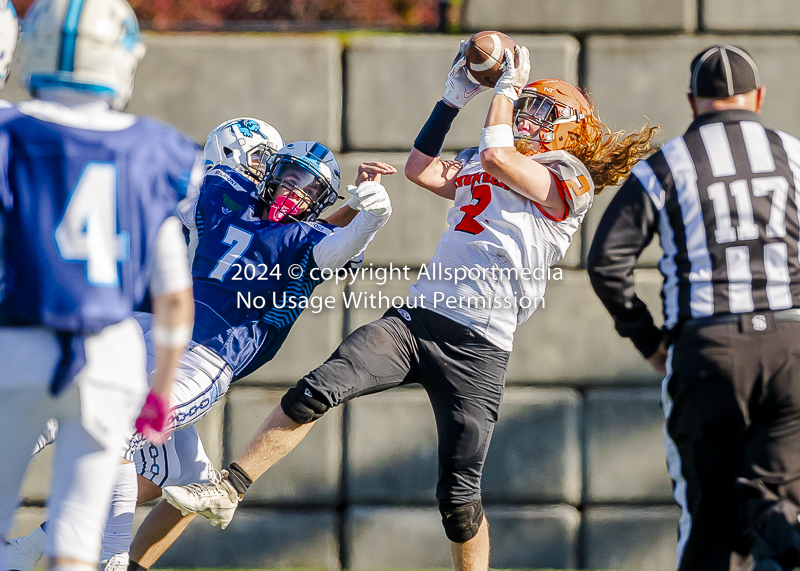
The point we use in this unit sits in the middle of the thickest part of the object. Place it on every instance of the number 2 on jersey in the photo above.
(483, 194)
(238, 240)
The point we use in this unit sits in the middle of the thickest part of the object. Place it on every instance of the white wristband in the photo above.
(496, 136)
(172, 337)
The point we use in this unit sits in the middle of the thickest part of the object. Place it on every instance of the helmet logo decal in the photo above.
(131, 34)
(247, 128)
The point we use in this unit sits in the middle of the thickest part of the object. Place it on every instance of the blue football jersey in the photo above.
(81, 201)
(243, 289)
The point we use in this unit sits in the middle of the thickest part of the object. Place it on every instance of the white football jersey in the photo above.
(491, 265)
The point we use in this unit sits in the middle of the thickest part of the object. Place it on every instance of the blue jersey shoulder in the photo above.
(225, 192)
(7, 111)
(173, 150)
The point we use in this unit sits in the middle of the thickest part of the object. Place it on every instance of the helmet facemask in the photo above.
(558, 123)
(293, 190)
(256, 160)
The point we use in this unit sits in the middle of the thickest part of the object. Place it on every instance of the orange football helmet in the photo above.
(557, 109)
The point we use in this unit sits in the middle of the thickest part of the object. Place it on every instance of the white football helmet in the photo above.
(301, 173)
(91, 46)
(9, 31)
(244, 144)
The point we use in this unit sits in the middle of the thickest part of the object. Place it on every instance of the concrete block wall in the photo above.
(575, 476)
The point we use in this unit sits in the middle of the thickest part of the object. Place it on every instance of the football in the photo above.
(485, 56)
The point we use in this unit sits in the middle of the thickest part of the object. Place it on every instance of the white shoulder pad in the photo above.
(577, 181)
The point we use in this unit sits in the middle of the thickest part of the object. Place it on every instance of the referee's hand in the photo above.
(658, 360)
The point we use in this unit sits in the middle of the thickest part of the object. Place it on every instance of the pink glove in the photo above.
(155, 422)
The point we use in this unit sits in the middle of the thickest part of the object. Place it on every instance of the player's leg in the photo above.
(472, 555)
(704, 443)
(95, 421)
(160, 529)
(770, 483)
(164, 524)
(29, 357)
(118, 531)
(201, 379)
(373, 358)
(464, 378)
(80, 495)
(18, 433)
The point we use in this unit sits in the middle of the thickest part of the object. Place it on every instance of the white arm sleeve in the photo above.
(343, 244)
(171, 268)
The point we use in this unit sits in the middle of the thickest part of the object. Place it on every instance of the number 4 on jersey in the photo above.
(88, 230)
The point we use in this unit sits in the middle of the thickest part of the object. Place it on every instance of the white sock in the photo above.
(119, 527)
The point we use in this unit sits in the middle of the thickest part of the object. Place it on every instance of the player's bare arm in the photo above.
(425, 166)
(524, 176)
(499, 156)
(432, 173)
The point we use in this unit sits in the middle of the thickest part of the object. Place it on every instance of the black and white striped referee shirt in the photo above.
(722, 199)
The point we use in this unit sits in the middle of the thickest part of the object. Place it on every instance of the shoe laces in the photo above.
(214, 487)
(216, 476)
(204, 490)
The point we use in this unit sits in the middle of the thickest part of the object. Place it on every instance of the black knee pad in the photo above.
(300, 407)
(461, 523)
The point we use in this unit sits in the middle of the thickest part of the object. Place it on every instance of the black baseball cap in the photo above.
(723, 71)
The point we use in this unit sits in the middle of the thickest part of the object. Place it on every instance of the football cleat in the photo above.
(216, 501)
(118, 562)
(23, 553)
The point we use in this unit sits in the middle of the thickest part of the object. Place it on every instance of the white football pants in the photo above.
(95, 417)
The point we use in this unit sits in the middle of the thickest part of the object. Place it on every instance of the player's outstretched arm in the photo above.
(499, 157)
(425, 167)
(173, 306)
(375, 208)
(366, 171)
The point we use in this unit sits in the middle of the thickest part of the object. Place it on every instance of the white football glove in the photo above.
(516, 74)
(370, 196)
(459, 88)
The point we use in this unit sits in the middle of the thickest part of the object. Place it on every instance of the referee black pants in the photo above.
(732, 402)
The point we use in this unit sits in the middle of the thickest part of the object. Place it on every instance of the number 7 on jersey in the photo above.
(238, 240)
